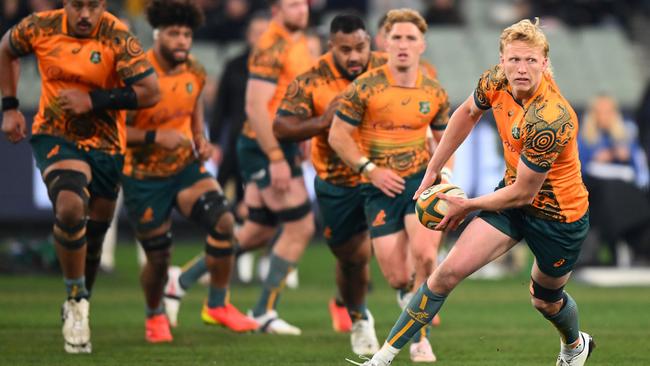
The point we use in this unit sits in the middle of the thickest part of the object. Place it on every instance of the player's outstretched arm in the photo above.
(460, 125)
(13, 121)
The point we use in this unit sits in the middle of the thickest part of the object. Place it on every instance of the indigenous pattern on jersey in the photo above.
(109, 58)
(308, 96)
(393, 120)
(428, 69)
(277, 58)
(542, 133)
(179, 92)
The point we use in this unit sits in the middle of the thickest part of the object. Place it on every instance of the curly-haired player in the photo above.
(163, 170)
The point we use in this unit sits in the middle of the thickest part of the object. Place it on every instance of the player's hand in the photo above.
(387, 181)
(203, 147)
(430, 178)
(170, 139)
(458, 209)
(13, 125)
(75, 101)
(328, 116)
(280, 175)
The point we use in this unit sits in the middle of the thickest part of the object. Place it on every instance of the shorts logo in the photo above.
(54, 151)
(147, 216)
(327, 233)
(425, 107)
(559, 263)
(258, 174)
(95, 57)
(380, 219)
(202, 169)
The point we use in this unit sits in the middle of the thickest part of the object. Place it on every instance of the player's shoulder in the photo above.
(321, 71)
(431, 84)
(115, 32)
(47, 22)
(377, 59)
(493, 79)
(195, 67)
(372, 78)
(551, 112)
(271, 41)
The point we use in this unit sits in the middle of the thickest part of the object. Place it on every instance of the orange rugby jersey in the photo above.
(109, 58)
(393, 120)
(308, 96)
(277, 58)
(179, 94)
(542, 133)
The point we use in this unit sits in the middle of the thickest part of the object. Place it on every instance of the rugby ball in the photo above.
(430, 209)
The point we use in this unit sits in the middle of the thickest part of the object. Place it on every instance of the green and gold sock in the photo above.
(418, 313)
(279, 269)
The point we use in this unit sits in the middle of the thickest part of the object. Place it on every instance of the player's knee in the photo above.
(226, 224)
(398, 280)
(157, 243)
(546, 301)
(159, 259)
(212, 213)
(69, 208)
(67, 191)
(446, 278)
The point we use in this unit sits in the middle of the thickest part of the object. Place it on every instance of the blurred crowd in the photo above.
(614, 144)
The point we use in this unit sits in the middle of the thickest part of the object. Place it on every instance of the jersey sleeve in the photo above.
(546, 133)
(265, 62)
(131, 63)
(298, 100)
(353, 104)
(485, 89)
(441, 118)
(23, 36)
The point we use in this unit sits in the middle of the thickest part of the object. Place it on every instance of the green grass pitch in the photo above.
(483, 323)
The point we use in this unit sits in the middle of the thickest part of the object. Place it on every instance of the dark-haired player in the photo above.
(92, 68)
(305, 112)
(163, 170)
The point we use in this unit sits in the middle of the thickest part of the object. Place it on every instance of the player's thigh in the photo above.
(423, 242)
(295, 196)
(356, 250)
(391, 252)
(555, 245)
(54, 153)
(342, 211)
(148, 202)
(253, 196)
(101, 209)
(479, 244)
(547, 281)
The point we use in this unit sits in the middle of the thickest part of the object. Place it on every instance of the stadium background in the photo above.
(597, 46)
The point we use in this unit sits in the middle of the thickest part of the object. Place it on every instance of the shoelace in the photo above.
(364, 358)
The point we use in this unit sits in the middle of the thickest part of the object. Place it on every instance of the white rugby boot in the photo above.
(76, 328)
(363, 337)
(581, 358)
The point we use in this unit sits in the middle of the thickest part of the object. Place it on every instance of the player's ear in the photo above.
(544, 64)
(330, 45)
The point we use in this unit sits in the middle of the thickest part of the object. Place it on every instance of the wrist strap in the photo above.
(9, 103)
(150, 137)
(117, 98)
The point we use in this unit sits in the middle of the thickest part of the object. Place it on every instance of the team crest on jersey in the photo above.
(516, 133)
(95, 57)
(425, 107)
(189, 87)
